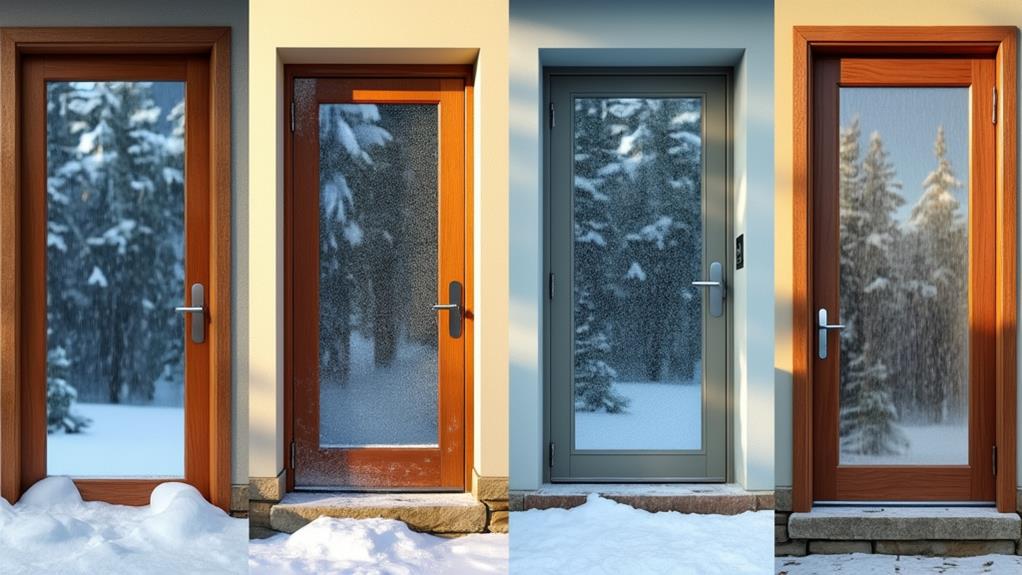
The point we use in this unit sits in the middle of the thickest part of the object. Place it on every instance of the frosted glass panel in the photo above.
(904, 173)
(378, 275)
(115, 272)
(638, 246)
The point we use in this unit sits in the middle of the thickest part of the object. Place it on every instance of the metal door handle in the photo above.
(454, 295)
(823, 328)
(198, 311)
(718, 289)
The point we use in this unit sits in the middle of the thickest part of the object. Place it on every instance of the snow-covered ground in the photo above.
(860, 564)
(122, 440)
(375, 546)
(661, 415)
(928, 445)
(605, 537)
(395, 405)
(51, 530)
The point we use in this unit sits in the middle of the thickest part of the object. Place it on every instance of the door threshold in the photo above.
(702, 498)
(449, 513)
(891, 523)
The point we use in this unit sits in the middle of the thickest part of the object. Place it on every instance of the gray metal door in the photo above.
(639, 266)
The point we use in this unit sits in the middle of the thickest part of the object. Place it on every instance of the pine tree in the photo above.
(868, 230)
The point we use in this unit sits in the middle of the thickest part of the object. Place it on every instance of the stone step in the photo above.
(905, 524)
(425, 512)
(722, 498)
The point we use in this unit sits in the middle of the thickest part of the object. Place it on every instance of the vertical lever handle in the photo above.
(198, 311)
(822, 329)
(455, 297)
(718, 289)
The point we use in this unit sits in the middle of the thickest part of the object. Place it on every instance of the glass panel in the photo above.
(638, 245)
(904, 173)
(378, 275)
(115, 271)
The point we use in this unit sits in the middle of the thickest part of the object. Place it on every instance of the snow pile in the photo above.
(375, 546)
(860, 564)
(51, 530)
(602, 536)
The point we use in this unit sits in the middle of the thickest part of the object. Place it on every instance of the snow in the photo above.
(97, 278)
(605, 537)
(928, 445)
(660, 416)
(375, 546)
(862, 564)
(636, 272)
(122, 440)
(51, 530)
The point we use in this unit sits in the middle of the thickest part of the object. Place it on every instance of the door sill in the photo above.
(891, 522)
(448, 513)
(703, 498)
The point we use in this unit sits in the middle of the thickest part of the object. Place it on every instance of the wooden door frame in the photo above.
(999, 42)
(293, 71)
(212, 43)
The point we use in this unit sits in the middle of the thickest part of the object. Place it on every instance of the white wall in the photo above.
(736, 33)
(233, 13)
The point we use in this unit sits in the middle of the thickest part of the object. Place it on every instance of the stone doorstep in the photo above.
(722, 499)
(425, 512)
(905, 524)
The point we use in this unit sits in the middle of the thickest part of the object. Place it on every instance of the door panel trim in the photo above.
(209, 49)
(810, 43)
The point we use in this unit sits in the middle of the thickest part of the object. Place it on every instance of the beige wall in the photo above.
(789, 13)
(380, 31)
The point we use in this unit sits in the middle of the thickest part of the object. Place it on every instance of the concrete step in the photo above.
(425, 512)
(721, 498)
(905, 524)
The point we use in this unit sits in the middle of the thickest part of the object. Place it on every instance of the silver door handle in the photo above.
(823, 328)
(198, 311)
(718, 289)
(445, 306)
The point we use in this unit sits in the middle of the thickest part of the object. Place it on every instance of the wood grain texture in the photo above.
(121, 491)
(905, 72)
(10, 373)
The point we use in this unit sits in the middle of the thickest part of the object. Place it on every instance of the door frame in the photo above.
(999, 42)
(372, 71)
(20, 455)
(545, 127)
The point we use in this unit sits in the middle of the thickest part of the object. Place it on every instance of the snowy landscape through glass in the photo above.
(904, 173)
(115, 272)
(638, 245)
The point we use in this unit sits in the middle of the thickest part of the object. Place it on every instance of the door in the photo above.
(639, 271)
(116, 276)
(903, 274)
(379, 283)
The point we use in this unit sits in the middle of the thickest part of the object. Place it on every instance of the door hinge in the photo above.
(553, 117)
(550, 463)
(292, 116)
(993, 117)
(550, 286)
(995, 460)
(292, 455)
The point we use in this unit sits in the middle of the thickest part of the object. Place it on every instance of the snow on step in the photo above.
(861, 564)
(430, 512)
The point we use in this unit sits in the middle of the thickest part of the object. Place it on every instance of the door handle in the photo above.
(455, 297)
(717, 289)
(198, 311)
(823, 328)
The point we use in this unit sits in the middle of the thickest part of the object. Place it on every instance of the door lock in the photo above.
(455, 299)
(822, 329)
(717, 287)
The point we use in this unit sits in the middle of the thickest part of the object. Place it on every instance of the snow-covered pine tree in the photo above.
(936, 246)
(869, 198)
(595, 163)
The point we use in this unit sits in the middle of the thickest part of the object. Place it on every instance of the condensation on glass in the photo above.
(638, 245)
(378, 193)
(904, 248)
(114, 273)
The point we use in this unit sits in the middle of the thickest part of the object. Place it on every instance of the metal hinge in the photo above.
(551, 462)
(550, 286)
(995, 461)
(292, 455)
(993, 118)
(553, 117)
(292, 115)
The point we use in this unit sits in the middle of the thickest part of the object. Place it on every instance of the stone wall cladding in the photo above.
(493, 492)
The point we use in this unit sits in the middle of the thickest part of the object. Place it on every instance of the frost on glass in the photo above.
(114, 273)
(638, 246)
(904, 270)
(378, 189)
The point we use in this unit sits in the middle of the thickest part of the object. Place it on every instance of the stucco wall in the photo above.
(646, 33)
(233, 13)
(381, 31)
(791, 13)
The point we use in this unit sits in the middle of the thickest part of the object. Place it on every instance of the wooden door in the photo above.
(903, 231)
(378, 297)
